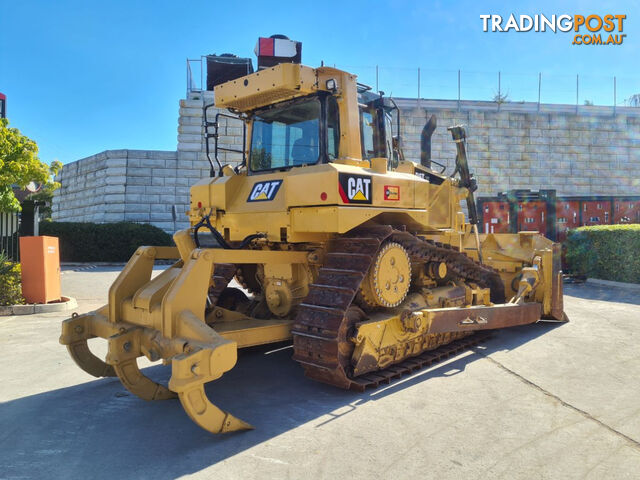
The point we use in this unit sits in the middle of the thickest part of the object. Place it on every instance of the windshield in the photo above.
(286, 136)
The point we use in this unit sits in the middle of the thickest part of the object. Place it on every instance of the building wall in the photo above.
(513, 145)
(144, 185)
(122, 185)
(518, 147)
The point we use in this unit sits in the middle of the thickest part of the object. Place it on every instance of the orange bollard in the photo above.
(40, 262)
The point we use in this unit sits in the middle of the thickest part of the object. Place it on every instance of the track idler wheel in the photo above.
(387, 282)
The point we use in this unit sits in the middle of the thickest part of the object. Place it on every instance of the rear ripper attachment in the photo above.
(160, 318)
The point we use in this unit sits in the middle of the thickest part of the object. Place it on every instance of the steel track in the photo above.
(324, 322)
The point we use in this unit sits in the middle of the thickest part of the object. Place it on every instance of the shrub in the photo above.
(10, 286)
(103, 242)
(607, 252)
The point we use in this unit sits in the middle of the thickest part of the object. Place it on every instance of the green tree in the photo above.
(19, 165)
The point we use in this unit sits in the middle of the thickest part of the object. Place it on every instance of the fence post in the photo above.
(614, 95)
(539, 88)
(499, 91)
(577, 90)
(418, 84)
(458, 90)
(377, 89)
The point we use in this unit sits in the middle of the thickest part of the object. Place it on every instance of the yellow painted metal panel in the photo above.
(267, 86)
(251, 331)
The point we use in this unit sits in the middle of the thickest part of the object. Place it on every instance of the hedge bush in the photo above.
(607, 252)
(10, 283)
(103, 242)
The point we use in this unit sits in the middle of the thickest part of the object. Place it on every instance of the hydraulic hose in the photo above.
(206, 222)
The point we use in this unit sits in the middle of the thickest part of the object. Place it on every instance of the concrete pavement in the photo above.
(542, 401)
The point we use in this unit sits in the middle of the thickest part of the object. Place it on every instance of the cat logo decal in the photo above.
(354, 188)
(264, 191)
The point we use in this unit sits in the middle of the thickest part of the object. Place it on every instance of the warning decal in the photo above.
(391, 192)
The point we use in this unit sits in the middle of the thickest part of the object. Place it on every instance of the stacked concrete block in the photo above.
(191, 139)
(120, 185)
(584, 151)
(92, 189)
(581, 151)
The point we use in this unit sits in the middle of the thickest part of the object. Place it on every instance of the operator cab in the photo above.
(306, 131)
(299, 132)
(294, 116)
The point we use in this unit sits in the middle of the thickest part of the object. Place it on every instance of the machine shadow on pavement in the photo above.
(98, 429)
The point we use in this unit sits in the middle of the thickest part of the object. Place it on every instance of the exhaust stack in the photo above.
(425, 141)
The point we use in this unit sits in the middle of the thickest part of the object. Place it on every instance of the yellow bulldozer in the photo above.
(362, 258)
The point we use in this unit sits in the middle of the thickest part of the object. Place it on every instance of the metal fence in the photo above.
(501, 87)
(9, 235)
(498, 86)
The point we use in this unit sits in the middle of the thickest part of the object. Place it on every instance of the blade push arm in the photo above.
(462, 168)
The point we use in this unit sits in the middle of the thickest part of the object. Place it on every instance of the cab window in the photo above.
(333, 129)
(367, 127)
(286, 136)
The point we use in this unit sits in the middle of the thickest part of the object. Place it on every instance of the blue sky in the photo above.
(82, 77)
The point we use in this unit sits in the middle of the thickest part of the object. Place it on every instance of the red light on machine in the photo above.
(3, 106)
(323, 196)
(277, 49)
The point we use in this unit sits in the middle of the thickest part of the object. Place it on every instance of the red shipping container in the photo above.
(532, 217)
(596, 212)
(495, 216)
(626, 211)
(567, 217)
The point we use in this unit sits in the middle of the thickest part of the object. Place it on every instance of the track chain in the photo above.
(325, 320)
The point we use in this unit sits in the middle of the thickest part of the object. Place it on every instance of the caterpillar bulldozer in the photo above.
(362, 258)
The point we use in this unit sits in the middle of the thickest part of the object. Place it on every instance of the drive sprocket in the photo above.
(387, 282)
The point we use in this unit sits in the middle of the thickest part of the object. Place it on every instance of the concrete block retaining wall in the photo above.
(123, 185)
(591, 152)
(577, 152)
